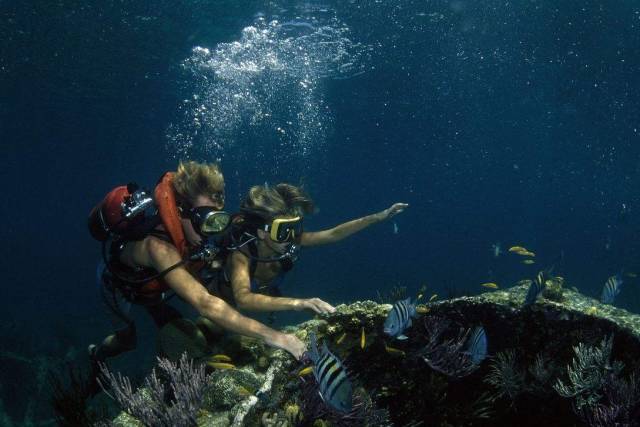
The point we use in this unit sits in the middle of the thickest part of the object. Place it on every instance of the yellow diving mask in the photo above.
(284, 230)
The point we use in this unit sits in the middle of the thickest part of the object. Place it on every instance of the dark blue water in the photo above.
(511, 122)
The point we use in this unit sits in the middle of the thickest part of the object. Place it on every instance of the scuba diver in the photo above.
(149, 257)
(267, 237)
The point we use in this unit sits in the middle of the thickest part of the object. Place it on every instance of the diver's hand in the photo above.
(317, 305)
(392, 211)
(288, 342)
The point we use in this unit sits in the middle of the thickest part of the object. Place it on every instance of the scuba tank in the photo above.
(122, 209)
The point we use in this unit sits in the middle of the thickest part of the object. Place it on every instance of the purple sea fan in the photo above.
(446, 355)
(600, 415)
(174, 403)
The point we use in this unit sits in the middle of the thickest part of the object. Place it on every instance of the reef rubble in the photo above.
(533, 351)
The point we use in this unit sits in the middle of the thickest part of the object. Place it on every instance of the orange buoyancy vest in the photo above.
(165, 200)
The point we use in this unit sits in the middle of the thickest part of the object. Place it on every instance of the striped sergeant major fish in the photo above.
(476, 347)
(399, 318)
(611, 289)
(535, 288)
(331, 375)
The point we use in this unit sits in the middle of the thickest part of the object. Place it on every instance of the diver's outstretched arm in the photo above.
(339, 232)
(247, 300)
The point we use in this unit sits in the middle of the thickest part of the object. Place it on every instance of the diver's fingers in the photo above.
(399, 207)
(323, 306)
(314, 306)
(328, 308)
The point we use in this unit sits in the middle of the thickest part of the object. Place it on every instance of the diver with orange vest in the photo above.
(155, 246)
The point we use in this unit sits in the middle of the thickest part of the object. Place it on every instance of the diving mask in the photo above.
(283, 230)
(208, 221)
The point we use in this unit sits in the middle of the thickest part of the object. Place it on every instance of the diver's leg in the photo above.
(122, 340)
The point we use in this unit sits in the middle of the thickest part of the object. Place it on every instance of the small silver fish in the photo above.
(496, 249)
(395, 228)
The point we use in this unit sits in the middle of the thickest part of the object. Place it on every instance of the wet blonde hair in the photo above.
(267, 202)
(194, 179)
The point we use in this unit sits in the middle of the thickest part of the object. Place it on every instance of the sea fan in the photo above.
(600, 415)
(174, 404)
(446, 355)
(623, 397)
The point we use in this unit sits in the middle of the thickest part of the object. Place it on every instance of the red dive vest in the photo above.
(165, 200)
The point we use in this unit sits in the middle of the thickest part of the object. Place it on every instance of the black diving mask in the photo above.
(208, 221)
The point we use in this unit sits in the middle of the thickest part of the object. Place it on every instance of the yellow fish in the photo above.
(517, 249)
(490, 285)
(422, 309)
(306, 371)
(526, 253)
(362, 339)
(433, 297)
(243, 391)
(528, 261)
(341, 338)
(419, 297)
(220, 365)
(392, 350)
(220, 358)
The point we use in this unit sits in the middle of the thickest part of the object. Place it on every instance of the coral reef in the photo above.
(554, 342)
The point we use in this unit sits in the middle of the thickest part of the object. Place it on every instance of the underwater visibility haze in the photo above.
(510, 128)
